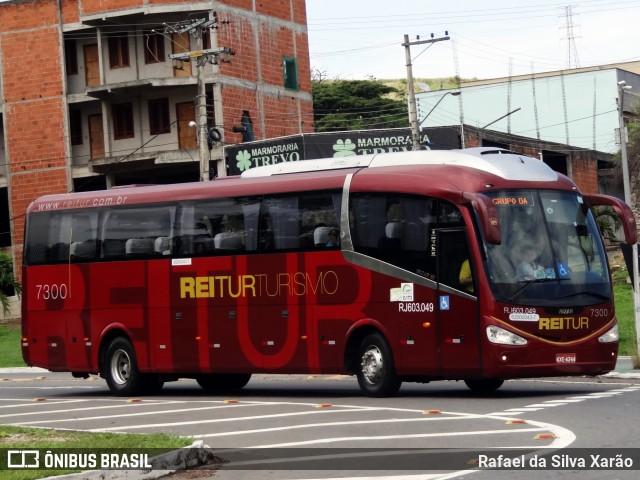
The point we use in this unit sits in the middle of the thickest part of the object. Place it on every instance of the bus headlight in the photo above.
(611, 336)
(504, 337)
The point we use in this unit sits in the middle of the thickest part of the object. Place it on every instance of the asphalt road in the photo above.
(322, 427)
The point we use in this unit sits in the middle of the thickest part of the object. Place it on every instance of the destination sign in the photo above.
(513, 201)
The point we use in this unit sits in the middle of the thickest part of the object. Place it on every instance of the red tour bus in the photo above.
(478, 265)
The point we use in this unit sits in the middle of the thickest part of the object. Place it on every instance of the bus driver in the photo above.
(529, 269)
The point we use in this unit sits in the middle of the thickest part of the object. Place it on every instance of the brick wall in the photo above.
(235, 101)
(33, 116)
(584, 172)
(23, 16)
(241, 38)
(33, 87)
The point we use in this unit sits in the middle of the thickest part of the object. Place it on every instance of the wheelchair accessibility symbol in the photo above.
(563, 270)
(444, 302)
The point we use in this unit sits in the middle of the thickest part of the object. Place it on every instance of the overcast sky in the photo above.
(354, 39)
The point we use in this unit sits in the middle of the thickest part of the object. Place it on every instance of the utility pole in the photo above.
(202, 57)
(202, 124)
(413, 108)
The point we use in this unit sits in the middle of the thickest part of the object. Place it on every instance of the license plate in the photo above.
(565, 358)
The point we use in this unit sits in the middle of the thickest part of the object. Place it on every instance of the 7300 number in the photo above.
(52, 291)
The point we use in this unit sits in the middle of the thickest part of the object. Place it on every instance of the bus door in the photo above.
(458, 323)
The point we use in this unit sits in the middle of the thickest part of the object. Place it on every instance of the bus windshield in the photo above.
(551, 252)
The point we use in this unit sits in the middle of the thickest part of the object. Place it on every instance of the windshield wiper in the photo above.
(517, 292)
(531, 282)
(593, 293)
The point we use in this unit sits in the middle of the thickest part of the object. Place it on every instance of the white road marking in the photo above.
(333, 424)
(565, 401)
(396, 437)
(131, 405)
(421, 476)
(66, 410)
(222, 420)
(31, 403)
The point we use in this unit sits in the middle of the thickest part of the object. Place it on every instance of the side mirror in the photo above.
(623, 211)
(488, 215)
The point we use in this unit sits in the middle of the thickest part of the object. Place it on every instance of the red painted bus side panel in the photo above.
(271, 313)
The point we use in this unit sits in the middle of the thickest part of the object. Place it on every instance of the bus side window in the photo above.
(285, 219)
(84, 234)
(58, 252)
(162, 246)
(58, 238)
(395, 229)
(36, 239)
(453, 253)
(82, 251)
(131, 233)
(217, 227)
(300, 221)
(113, 248)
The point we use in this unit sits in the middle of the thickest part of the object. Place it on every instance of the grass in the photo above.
(10, 350)
(32, 438)
(623, 294)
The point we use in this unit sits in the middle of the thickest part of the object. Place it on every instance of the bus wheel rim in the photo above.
(372, 365)
(121, 367)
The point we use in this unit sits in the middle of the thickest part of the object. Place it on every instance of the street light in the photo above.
(495, 121)
(417, 127)
(503, 116)
(622, 87)
(454, 94)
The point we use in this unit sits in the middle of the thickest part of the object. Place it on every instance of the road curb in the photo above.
(195, 455)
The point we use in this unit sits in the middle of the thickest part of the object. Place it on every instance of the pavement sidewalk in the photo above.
(624, 369)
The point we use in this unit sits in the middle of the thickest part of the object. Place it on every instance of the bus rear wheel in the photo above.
(376, 372)
(484, 385)
(223, 382)
(122, 374)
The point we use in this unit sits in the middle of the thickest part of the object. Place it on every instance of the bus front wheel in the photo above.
(484, 385)
(376, 373)
(121, 368)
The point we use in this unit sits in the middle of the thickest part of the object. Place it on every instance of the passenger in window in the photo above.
(465, 279)
(332, 240)
(200, 249)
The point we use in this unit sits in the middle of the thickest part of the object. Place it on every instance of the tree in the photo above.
(8, 282)
(608, 222)
(633, 157)
(356, 105)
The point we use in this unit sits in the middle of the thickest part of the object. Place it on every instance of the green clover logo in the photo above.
(243, 160)
(344, 148)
